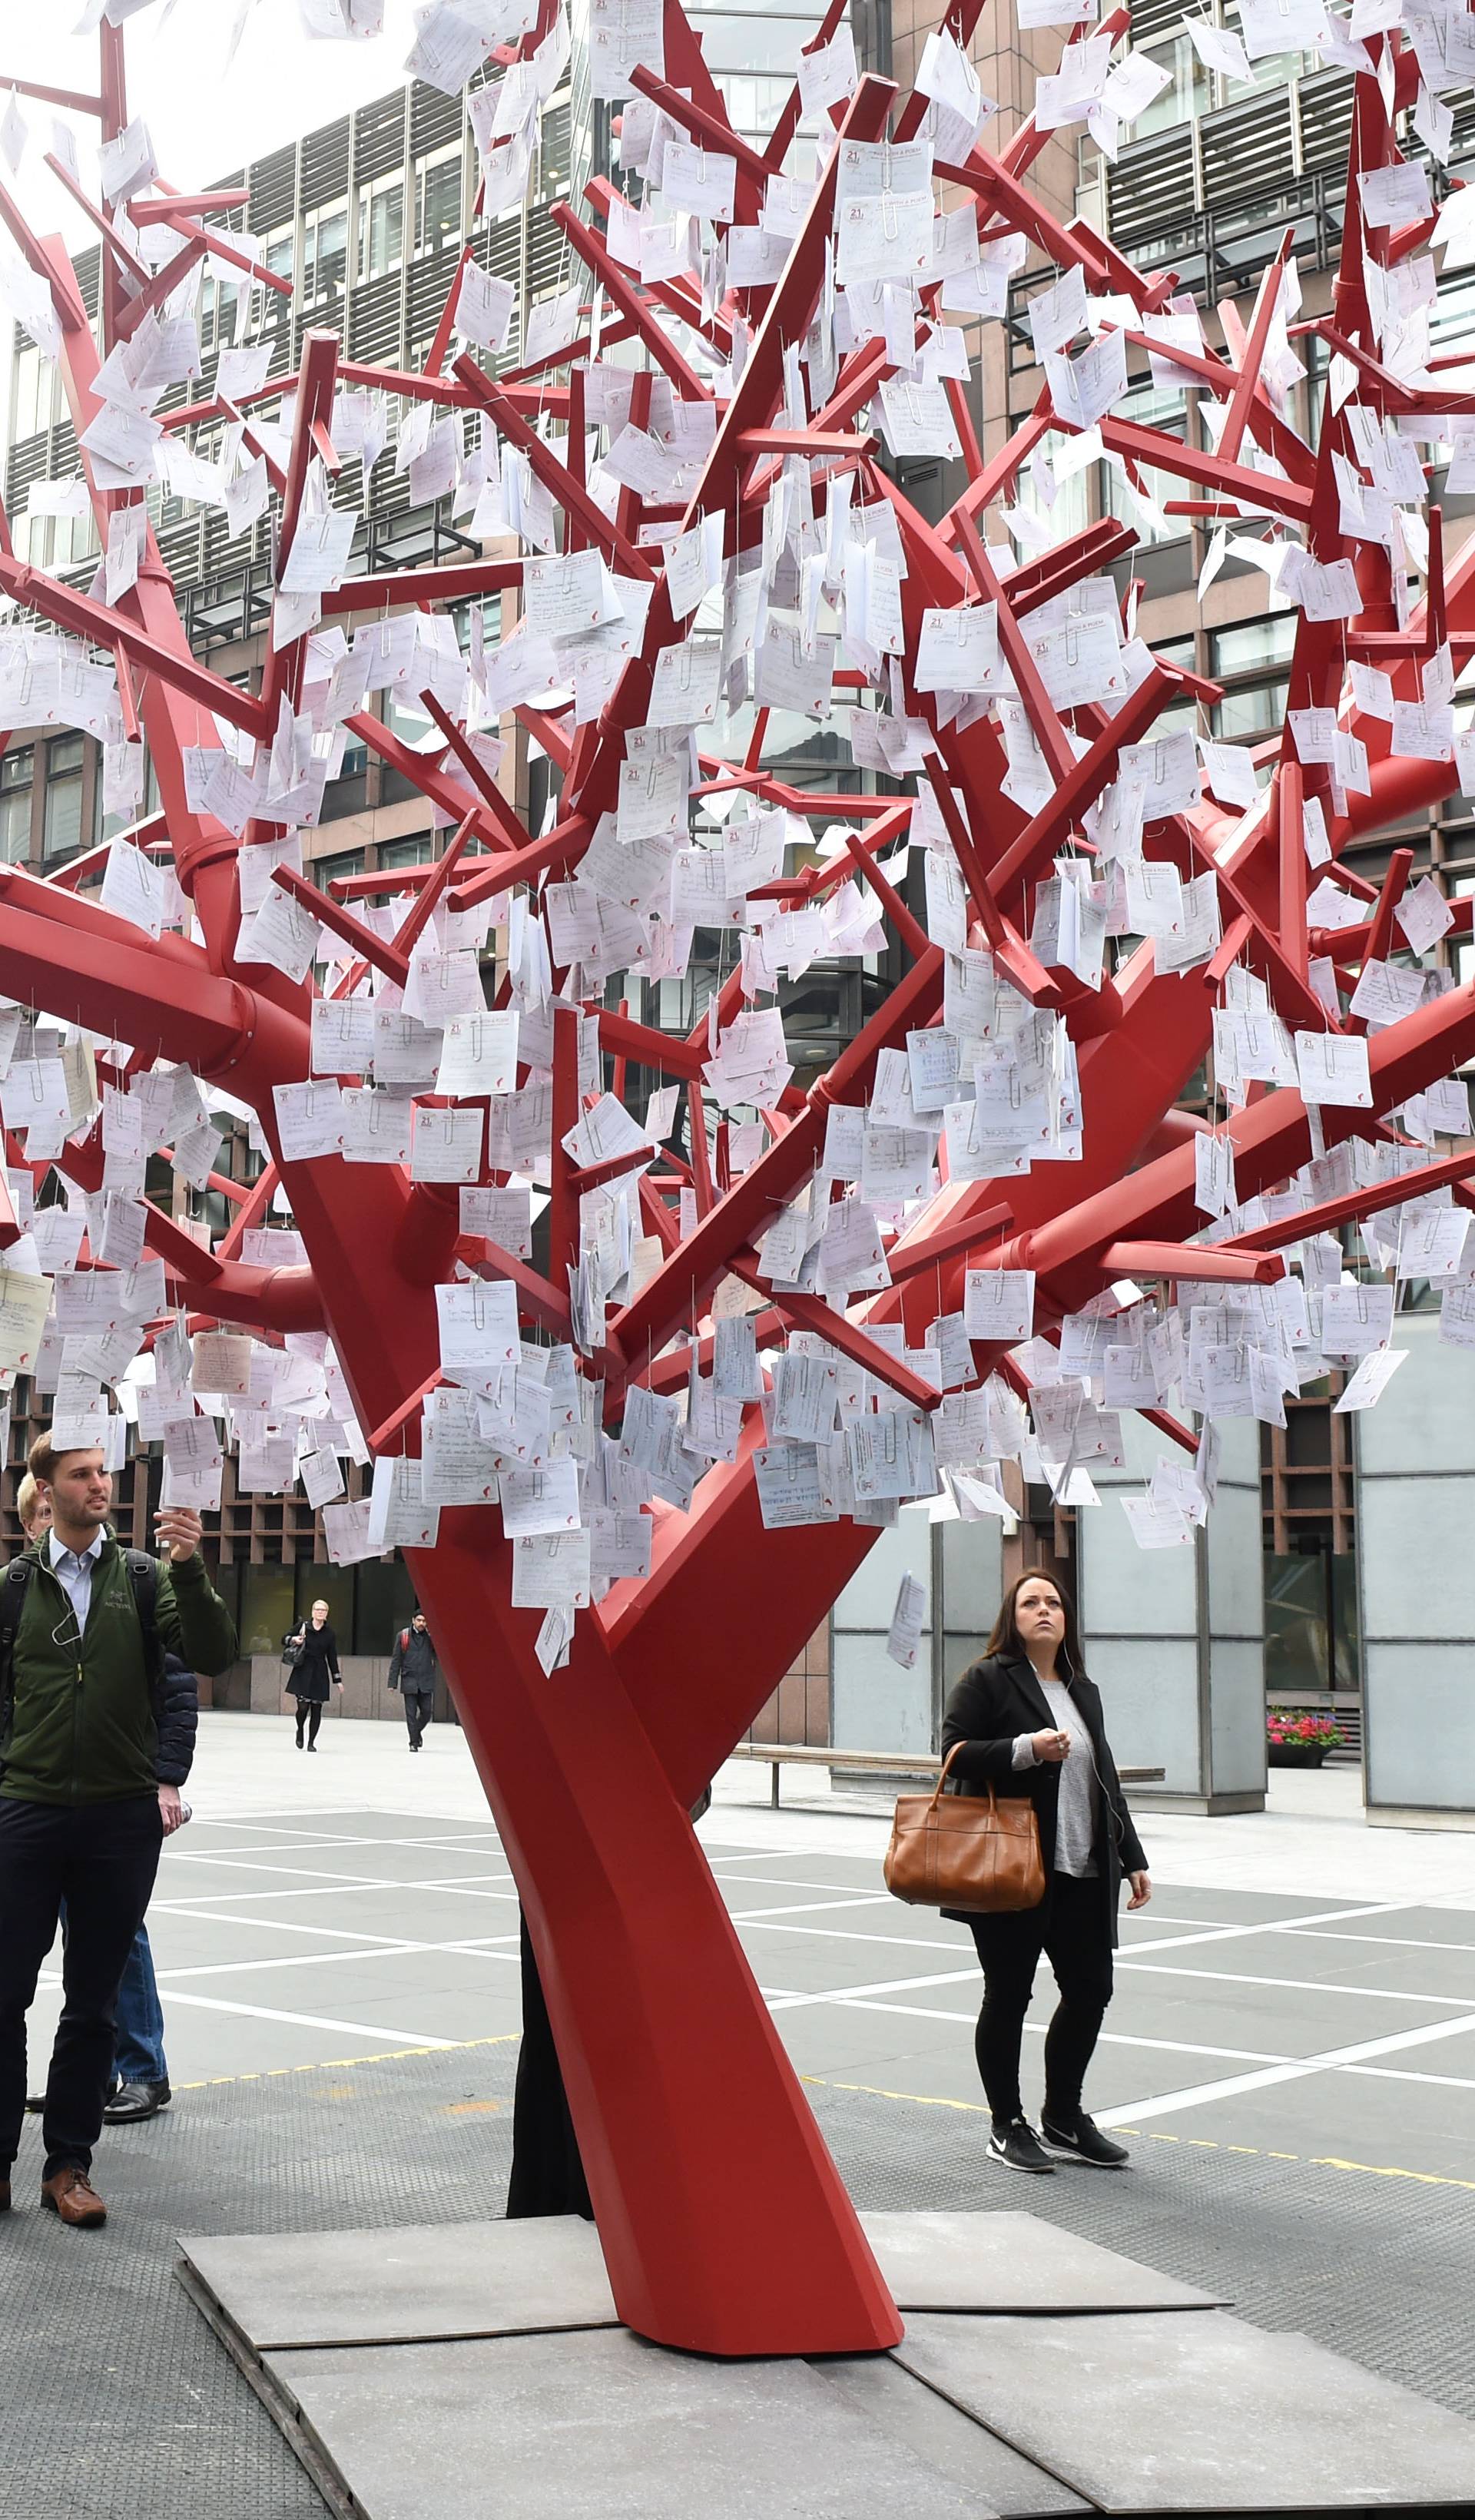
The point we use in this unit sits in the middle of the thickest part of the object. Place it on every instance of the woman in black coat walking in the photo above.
(1029, 1721)
(317, 1665)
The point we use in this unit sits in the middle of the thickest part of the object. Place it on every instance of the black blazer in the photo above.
(988, 1708)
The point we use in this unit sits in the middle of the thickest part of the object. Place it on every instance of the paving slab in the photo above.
(1016, 2263)
(440, 2281)
(598, 2426)
(1142, 2413)
(879, 2389)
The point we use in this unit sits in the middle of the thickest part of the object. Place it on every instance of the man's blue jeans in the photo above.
(139, 2050)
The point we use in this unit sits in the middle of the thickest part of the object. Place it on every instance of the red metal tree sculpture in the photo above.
(740, 523)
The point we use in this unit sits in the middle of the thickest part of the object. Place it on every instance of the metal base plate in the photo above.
(1013, 2263)
(1143, 2413)
(1111, 2388)
(498, 2278)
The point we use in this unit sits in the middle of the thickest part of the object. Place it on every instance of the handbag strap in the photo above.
(946, 1771)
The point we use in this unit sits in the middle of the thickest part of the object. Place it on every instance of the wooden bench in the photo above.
(879, 1762)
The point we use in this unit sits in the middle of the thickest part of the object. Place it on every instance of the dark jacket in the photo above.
(176, 1720)
(412, 1664)
(995, 1701)
(89, 1722)
(317, 1665)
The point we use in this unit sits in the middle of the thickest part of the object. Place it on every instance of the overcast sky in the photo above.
(203, 118)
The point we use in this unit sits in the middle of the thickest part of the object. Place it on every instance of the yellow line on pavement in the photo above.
(1155, 2134)
(338, 2065)
(1381, 2170)
(920, 2100)
(873, 2091)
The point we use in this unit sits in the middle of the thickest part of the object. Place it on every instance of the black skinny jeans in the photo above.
(100, 1857)
(1075, 1938)
(310, 1713)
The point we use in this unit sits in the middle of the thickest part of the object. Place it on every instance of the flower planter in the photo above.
(1296, 1754)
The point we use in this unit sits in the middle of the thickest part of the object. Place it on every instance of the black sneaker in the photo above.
(1084, 2141)
(1018, 2147)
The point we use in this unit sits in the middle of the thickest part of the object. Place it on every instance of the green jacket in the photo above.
(80, 1725)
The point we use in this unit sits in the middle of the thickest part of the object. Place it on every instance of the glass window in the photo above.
(107, 824)
(64, 796)
(325, 252)
(1069, 512)
(406, 853)
(218, 301)
(381, 230)
(1248, 646)
(355, 760)
(386, 1604)
(279, 254)
(16, 771)
(1187, 94)
(407, 719)
(33, 391)
(76, 541)
(267, 1609)
(1150, 407)
(437, 202)
(1277, 70)
(555, 143)
(322, 871)
(1311, 1620)
(1255, 709)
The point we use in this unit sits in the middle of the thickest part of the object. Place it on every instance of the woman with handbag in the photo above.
(1026, 1721)
(312, 1654)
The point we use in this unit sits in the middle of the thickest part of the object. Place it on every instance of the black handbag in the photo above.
(293, 1654)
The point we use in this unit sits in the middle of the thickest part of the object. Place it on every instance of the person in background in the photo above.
(317, 1664)
(1029, 1721)
(414, 1671)
(139, 2070)
(84, 1812)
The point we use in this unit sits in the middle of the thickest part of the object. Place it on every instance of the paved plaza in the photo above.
(1291, 2053)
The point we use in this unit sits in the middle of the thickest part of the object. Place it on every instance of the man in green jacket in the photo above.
(82, 1813)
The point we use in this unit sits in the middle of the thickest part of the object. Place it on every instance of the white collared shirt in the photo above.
(73, 1569)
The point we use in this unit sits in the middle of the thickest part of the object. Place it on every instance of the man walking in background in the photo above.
(83, 1628)
(414, 1670)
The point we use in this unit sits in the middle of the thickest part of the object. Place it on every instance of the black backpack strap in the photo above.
(12, 1592)
(143, 1575)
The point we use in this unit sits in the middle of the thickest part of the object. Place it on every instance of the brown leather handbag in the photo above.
(961, 1851)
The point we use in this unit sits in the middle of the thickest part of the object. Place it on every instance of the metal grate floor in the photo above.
(123, 2403)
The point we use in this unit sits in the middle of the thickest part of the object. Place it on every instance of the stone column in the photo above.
(878, 1707)
(1415, 1523)
(1175, 1638)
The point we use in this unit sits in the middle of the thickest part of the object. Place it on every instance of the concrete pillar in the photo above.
(1175, 1638)
(969, 1582)
(876, 1705)
(1416, 1518)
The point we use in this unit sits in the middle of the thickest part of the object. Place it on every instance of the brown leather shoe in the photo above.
(4, 2195)
(70, 2194)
